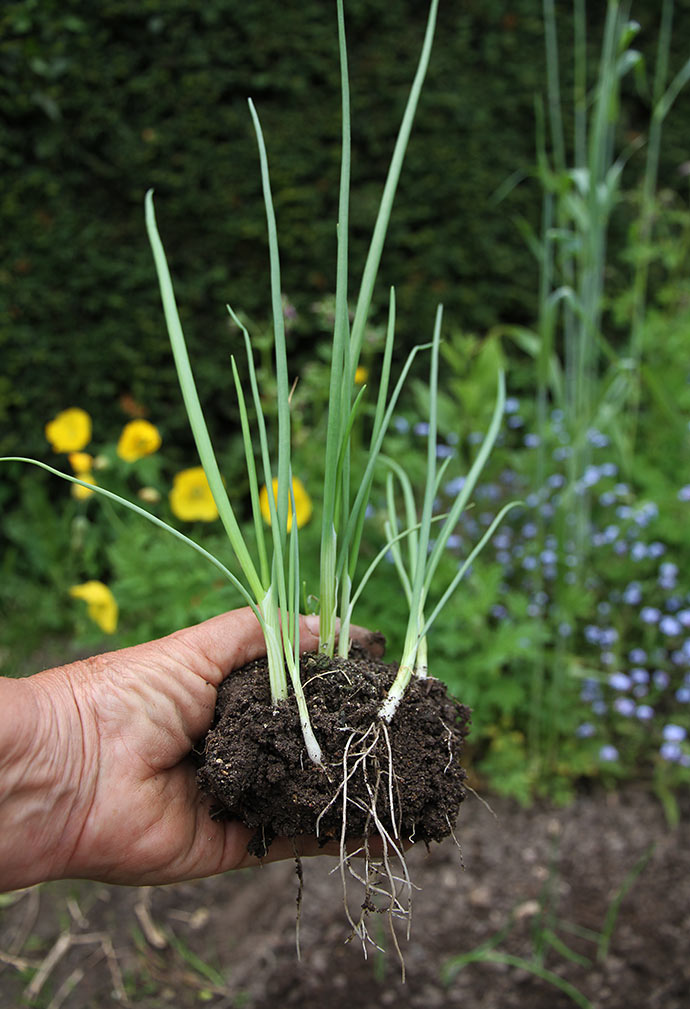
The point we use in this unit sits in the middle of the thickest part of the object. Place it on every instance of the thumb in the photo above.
(232, 639)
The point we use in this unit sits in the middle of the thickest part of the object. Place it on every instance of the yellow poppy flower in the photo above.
(70, 430)
(361, 374)
(81, 462)
(138, 438)
(190, 498)
(100, 602)
(303, 505)
(79, 492)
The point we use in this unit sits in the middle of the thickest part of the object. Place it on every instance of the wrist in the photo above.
(42, 777)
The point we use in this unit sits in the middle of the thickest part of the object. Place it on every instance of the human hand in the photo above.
(104, 788)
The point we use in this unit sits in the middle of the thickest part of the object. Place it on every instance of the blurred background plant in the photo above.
(571, 640)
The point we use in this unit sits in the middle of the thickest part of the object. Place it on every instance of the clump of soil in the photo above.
(254, 764)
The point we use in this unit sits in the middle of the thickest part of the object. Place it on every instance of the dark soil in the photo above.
(254, 764)
(229, 941)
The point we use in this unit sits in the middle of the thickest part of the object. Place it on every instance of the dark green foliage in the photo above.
(102, 101)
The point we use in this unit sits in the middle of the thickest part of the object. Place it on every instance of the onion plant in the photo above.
(269, 577)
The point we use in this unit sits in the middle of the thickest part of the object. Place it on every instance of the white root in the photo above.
(386, 890)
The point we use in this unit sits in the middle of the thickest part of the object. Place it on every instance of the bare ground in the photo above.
(230, 942)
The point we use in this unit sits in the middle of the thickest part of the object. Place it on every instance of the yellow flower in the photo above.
(303, 505)
(100, 602)
(70, 430)
(138, 438)
(81, 462)
(191, 498)
(361, 374)
(79, 492)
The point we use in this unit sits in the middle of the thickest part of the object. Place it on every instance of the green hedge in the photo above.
(103, 100)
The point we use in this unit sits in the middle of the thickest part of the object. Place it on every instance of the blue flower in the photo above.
(608, 636)
(683, 695)
(639, 675)
(585, 730)
(637, 655)
(650, 615)
(632, 594)
(591, 476)
(644, 712)
(624, 706)
(619, 681)
(608, 753)
(401, 424)
(596, 438)
(670, 751)
(670, 626)
(674, 733)
(668, 571)
(592, 634)
(512, 404)
(684, 493)
(590, 689)
(638, 551)
(661, 679)
(421, 427)
(453, 487)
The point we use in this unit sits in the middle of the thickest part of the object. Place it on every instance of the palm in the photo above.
(147, 817)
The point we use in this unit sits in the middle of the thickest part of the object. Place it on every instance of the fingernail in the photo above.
(312, 624)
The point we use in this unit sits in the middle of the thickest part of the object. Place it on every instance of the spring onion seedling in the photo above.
(269, 577)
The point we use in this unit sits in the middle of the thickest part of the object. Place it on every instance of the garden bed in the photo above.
(230, 941)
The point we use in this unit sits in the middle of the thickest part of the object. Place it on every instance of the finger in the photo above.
(227, 641)
(373, 641)
(232, 639)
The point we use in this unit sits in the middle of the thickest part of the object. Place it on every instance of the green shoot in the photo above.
(270, 573)
(338, 559)
(423, 560)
